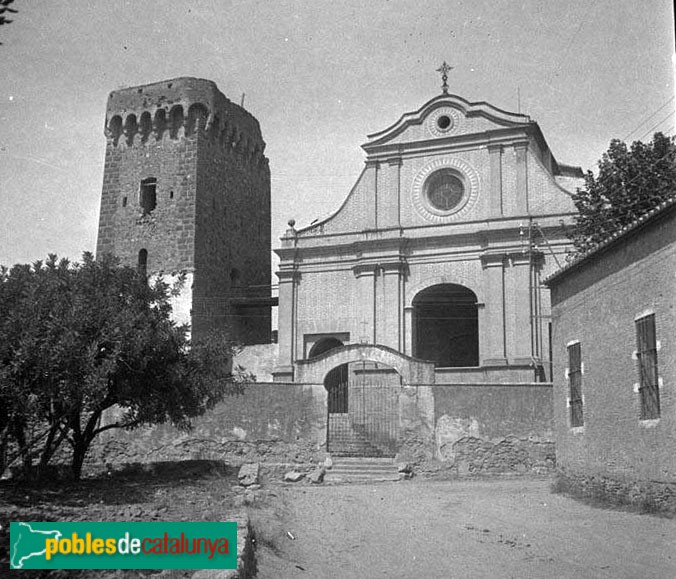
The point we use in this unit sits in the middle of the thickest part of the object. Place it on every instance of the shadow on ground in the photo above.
(191, 490)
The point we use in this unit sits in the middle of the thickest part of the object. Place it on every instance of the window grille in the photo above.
(646, 355)
(575, 384)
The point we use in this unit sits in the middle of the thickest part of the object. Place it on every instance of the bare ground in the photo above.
(455, 529)
(420, 528)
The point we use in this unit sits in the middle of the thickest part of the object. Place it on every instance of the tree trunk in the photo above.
(20, 437)
(49, 447)
(3, 450)
(80, 448)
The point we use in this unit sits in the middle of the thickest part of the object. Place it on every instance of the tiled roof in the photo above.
(620, 233)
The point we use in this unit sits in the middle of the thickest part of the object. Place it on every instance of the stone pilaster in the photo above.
(287, 324)
(495, 154)
(492, 325)
(371, 177)
(519, 322)
(390, 311)
(388, 192)
(366, 275)
(521, 153)
(408, 330)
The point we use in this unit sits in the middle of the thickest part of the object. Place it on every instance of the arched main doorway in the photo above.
(446, 326)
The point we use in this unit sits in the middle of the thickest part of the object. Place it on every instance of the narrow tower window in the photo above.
(143, 262)
(148, 195)
(235, 276)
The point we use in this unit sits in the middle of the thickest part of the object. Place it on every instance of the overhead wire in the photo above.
(657, 125)
(648, 118)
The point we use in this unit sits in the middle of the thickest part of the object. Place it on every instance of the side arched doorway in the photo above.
(336, 380)
(446, 326)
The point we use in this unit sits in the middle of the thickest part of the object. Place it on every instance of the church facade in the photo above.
(438, 251)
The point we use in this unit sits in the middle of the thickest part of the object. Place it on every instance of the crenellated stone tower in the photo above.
(186, 189)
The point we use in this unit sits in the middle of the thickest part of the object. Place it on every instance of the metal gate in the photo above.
(363, 418)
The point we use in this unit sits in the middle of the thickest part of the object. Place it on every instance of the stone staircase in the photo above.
(344, 440)
(362, 469)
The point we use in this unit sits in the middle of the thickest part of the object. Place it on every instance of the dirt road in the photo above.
(455, 529)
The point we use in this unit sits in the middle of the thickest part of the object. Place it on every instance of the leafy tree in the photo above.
(631, 181)
(77, 340)
(30, 310)
(5, 9)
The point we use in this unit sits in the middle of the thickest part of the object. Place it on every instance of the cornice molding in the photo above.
(498, 258)
(365, 269)
(466, 108)
(288, 275)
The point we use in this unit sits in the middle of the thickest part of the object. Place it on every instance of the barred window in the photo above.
(646, 355)
(575, 384)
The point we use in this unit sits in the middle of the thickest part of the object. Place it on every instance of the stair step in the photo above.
(364, 460)
(346, 440)
(363, 469)
(365, 465)
(361, 478)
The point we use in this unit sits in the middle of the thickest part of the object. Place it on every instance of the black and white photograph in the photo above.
(316, 289)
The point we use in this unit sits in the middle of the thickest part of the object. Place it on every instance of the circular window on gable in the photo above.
(444, 190)
(444, 122)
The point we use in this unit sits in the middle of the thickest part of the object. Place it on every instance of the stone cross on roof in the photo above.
(444, 69)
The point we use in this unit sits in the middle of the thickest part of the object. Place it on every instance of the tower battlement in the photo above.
(178, 107)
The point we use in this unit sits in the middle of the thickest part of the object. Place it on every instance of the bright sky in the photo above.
(319, 75)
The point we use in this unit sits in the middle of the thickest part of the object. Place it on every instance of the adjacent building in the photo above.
(614, 322)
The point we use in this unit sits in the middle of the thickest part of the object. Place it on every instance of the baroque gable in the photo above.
(446, 116)
(452, 162)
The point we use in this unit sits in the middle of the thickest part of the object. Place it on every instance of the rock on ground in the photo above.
(317, 475)
(293, 476)
(405, 470)
(248, 474)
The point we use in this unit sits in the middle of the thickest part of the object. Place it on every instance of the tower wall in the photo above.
(187, 182)
(232, 240)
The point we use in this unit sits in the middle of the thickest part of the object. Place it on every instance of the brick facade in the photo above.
(211, 218)
(596, 304)
(358, 273)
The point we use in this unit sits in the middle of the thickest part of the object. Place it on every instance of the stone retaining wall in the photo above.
(272, 422)
(646, 496)
(465, 429)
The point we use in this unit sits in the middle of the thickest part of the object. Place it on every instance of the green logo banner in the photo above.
(115, 545)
